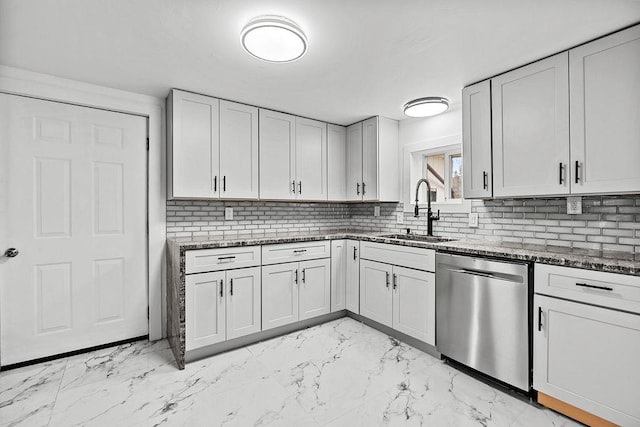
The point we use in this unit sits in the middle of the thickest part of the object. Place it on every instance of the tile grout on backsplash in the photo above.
(607, 222)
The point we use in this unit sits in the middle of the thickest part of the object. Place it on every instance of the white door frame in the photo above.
(22, 82)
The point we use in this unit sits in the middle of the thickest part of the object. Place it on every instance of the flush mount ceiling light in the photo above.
(425, 107)
(274, 39)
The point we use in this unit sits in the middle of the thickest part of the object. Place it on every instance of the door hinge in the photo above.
(147, 144)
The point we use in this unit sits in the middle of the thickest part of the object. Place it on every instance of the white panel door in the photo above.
(414, 303)
(238, 151)
(204, 309)
(370, 159)
(354, 162)
(277, 155)
(336, 162)
(73, 203)
(605, 112)
(243, 302)
(279, 295)
(587, 356)
(530, 123)
(338, 274)
(476, 140)
(195, 147)
(311, 159)
(353, 276)
(375, 291)
(315, 288)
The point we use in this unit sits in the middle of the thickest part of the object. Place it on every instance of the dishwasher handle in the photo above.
(489, 275)
(473, 272)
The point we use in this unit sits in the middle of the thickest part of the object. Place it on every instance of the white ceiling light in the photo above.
(274, 39)
(425, 107)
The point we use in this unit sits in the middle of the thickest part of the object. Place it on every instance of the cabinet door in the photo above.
(279, 295)
(370, 159)
(605, 108)
(353, 276)
(277, 155)
(238, 151)
(587, 356)
(375, 291)
(530, 123)
(204, 309)
(195, 145)
(311, 159)
(337, 162)
(315, 288)
(414, 303)
(338, 274)
(354, 162)
(243, 302)
(476, 140)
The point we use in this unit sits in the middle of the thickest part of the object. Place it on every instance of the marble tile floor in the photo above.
(341, 373)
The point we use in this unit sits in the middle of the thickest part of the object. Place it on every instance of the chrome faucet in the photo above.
(430, 216)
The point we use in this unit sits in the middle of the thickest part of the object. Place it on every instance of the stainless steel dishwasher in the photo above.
(482, 316)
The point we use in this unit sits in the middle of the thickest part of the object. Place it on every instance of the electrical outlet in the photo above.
(399, 217)
(473, 219)
(376, 211)
(228, 213)
(574, 205)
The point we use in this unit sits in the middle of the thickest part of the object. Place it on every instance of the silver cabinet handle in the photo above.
(226, 258)
(11, 253)
(485, 180)
(221, 288)
(293, 186)
(224, 183)
(299, 251)
(215, 183)
(363, 188)
(355, 253)
(602, 288)
(387, 273)
(358, 188)
(300, 187)
(577, 171)
(395, 281)
(296, 278)
(561, 173)
(304, 276)
(231, 287)
(539, 318)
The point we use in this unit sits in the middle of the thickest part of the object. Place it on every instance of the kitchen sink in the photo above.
(417, 237)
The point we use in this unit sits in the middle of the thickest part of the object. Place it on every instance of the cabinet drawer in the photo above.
(613, 290)
(202, 260)
(275, 254)
(404, 256)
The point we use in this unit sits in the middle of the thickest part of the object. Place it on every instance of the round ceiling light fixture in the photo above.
(425, 107)
(274, 38)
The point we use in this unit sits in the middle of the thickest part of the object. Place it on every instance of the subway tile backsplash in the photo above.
(607, 222)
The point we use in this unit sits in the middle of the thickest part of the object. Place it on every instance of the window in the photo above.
(444, 173)
(440, 161)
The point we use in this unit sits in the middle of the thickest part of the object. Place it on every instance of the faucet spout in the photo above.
(430, 216)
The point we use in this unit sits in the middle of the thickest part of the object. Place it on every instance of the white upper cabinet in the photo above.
(311, 159)
(213, 148)
(530, 125)
(336, 162)
(238, 151)
(372, 160)
(194, 142)
(277, 155)
(476, 140)
(354, 162)
(605, 114)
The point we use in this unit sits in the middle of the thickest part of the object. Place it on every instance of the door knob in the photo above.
(11, 253)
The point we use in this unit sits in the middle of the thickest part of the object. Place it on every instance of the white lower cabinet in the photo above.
(587, 356)
(399, 297)
(338, 275)
(352, 284)
(221, 305)
(295, 291)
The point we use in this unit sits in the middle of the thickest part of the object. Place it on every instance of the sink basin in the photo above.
(418, 237)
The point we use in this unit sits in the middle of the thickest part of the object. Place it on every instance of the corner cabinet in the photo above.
(476, 140)
(604, 76)
(212, 148)
(293, 157)
(336, 163)
(372, 160)
(530, 115)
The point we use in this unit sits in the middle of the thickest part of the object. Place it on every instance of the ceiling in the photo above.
(365, 57)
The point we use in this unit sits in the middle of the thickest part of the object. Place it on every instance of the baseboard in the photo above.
(573, 412)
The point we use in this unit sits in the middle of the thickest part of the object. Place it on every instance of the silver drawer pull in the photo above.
(299, 251)
(602, 288)
(226, 258)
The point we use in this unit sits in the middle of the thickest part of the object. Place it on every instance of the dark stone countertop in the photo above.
(614, 262)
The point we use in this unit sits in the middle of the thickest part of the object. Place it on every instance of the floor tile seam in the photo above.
(55, 400)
